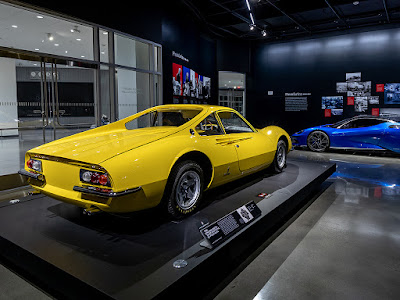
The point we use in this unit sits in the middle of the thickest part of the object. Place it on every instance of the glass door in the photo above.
(69, 99)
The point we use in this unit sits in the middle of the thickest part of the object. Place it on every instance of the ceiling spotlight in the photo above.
(75, 29)
(248, 4)
(56, 45)
(264, 33)
(14, 26)
(251, 26)
(39, 17)
(50, 37)
(79, 40)
(356, 2)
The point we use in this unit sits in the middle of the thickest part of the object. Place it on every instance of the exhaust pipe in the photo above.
(91, 211)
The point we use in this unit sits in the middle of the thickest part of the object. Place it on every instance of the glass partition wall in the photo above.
(60, 76)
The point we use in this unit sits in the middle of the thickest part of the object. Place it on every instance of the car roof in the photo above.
(208, 107)
(382, 117)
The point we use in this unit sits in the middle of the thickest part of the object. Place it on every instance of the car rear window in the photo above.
(159, 118)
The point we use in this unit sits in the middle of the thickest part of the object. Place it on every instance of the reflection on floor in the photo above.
(345, 245)
(13, 149)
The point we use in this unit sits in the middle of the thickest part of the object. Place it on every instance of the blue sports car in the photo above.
(361, 132)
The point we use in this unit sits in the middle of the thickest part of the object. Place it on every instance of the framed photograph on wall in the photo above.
(351, 77)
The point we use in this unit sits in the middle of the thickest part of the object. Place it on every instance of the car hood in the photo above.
(98, 146)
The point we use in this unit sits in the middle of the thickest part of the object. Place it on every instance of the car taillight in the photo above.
(34, 164)
(94, 177)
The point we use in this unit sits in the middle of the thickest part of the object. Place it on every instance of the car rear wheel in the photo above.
(279, 162)
(184, 189)
(318, 141)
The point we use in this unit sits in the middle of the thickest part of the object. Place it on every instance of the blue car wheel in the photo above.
(318, 141)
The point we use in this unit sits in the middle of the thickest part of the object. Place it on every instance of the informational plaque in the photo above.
(217, 232)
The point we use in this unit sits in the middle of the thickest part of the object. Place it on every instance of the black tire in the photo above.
(181, 198)
(279, 162)
(318, 141)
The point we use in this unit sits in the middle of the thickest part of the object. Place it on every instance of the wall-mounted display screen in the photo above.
(392, 93)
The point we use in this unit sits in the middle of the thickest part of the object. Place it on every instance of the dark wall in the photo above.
(314, 66)
(188, 38)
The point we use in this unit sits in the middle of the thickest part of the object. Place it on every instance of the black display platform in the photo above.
(132, 258)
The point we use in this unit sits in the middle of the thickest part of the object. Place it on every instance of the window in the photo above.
(233, 123)
(209, 126)
(162, 118)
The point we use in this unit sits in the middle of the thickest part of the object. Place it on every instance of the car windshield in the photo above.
(166, 117)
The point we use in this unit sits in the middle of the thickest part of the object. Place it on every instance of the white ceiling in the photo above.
(231, 80)
(30, 30)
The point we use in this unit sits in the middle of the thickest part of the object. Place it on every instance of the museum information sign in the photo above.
(215, 233)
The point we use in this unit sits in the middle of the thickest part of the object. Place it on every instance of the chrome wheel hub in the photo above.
(281, 156)
(188, 190)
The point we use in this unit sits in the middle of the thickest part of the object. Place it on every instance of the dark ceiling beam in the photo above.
(336, 13)
(386, 10)
(194, 9)
(282, 12)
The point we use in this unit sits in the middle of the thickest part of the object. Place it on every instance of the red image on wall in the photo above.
(380, 88)
(177, 79)
(350, 100)
(328, 113)
(375, 112)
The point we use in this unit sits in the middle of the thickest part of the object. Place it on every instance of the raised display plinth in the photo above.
(133, 258)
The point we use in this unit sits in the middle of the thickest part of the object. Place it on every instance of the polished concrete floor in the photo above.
(344, 244)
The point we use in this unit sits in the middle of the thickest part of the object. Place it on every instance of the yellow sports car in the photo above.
(166, 155)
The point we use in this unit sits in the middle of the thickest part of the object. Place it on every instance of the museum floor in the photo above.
(343, 244)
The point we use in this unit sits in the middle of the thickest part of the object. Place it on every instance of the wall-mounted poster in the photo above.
(360, 104)
(373, 100)
(207, 88)
(350, 100)
(334, 103)
(380, 87)
(341, 87)
(375, 112)
(351, 77)
(177, 79)
(186, 81)
(392, 93)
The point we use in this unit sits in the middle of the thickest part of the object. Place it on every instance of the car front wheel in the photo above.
(185, 189)
(318, 141)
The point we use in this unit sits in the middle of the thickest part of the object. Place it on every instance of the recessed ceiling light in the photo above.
(264, 33)
(14, 26)
(37, 49)
(356, 2)
(79, 40)
(72, 30)
(66, 51)
(39, 17)
(105, 32)
(251, 27)
(103, 52)
(82, 56)
(56, 45)
(35, 65)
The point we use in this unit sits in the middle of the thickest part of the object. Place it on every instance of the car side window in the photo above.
(233, 123)
(209, 126)
(360, 123)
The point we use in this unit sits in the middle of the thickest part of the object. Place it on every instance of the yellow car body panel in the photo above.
(141, 160)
